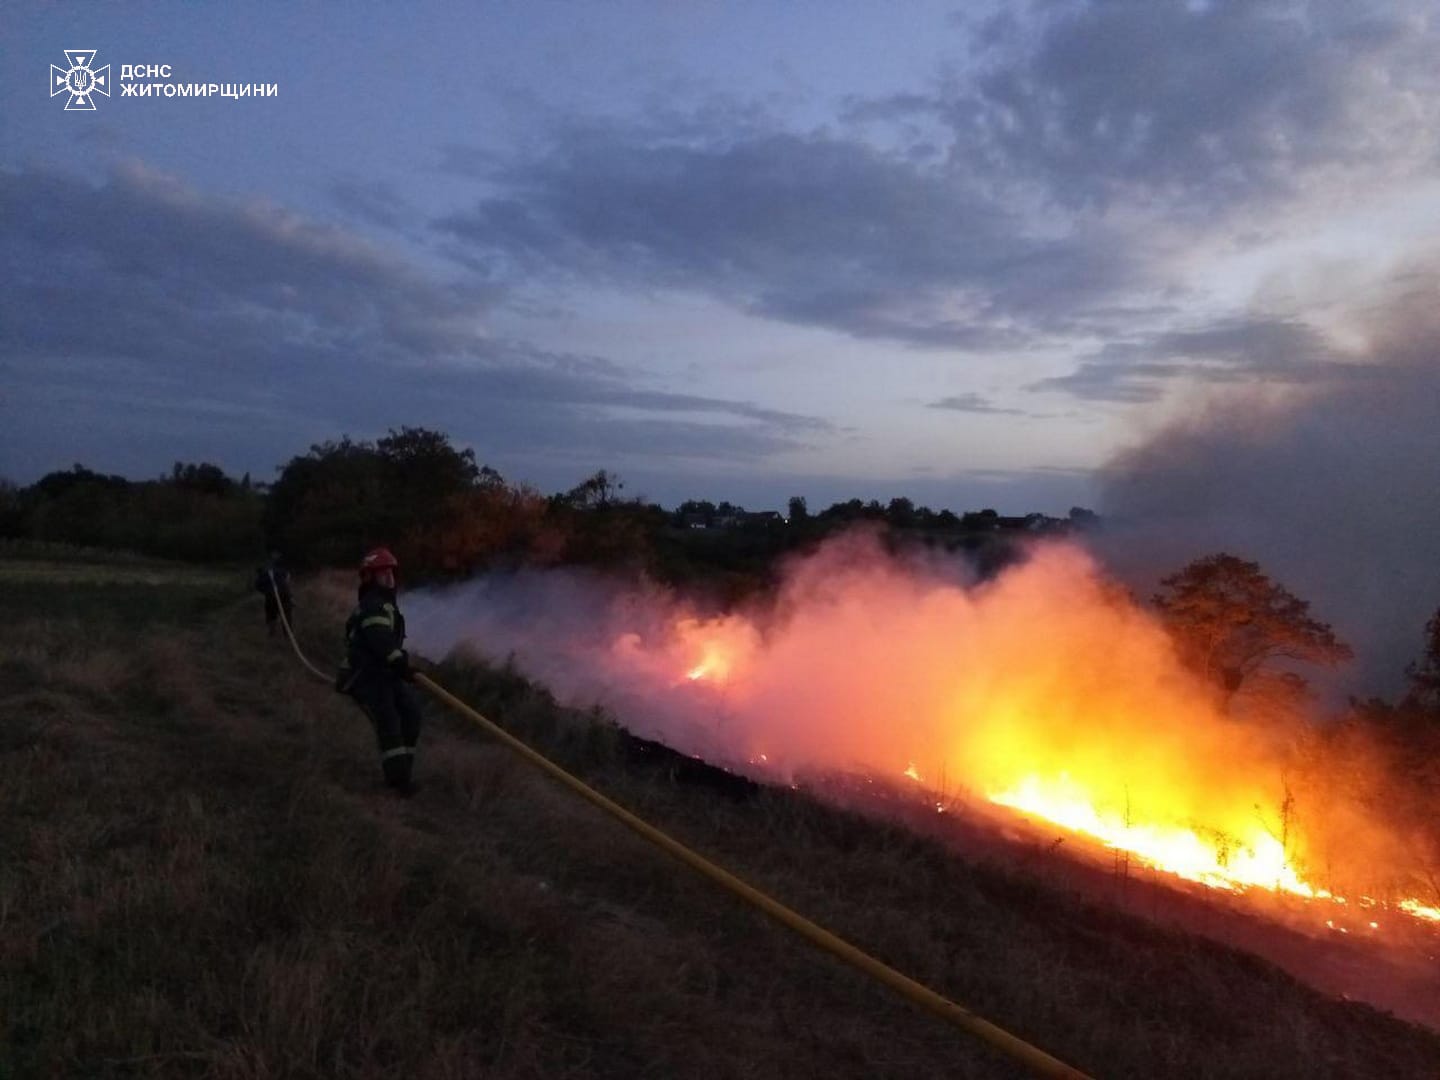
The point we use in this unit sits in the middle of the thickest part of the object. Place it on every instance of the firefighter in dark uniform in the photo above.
(376, 670)
(273, 580)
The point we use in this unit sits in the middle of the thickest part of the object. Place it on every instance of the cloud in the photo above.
(1256, 349)
(138, 300)
(974, 403)
(1200, 106)
(1034, 191)
(811, 229)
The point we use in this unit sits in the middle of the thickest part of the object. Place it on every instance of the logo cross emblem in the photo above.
(82, 81)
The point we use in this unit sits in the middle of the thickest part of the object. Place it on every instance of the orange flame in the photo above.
(1419, 910)
(1257, 859)
(715, 647)
(1045, 689)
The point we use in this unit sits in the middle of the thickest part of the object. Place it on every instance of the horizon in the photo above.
(814, 505)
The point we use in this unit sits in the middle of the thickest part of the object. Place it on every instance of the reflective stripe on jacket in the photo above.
(375, 632)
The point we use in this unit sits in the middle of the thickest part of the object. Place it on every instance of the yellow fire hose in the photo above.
(1032, 1057)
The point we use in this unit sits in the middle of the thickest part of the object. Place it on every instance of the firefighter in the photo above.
(376, 670)
(273, 580)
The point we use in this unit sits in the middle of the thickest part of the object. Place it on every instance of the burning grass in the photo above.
(202, 877)
(1046, 689)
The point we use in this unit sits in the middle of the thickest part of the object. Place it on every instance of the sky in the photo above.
(1014, 255)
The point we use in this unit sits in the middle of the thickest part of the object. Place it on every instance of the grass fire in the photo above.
(1047, 689)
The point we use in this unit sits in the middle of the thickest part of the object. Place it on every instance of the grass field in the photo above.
(200, 875)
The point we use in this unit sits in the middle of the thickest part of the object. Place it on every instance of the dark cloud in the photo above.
(1043, 189)
(1331, 484)
(1255, 350)
(1200, 105)
(974, 403)
(1082, 144)
(808, 229)
(132, 304)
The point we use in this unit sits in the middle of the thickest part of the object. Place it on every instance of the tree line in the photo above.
(195, 513)
(446, 514)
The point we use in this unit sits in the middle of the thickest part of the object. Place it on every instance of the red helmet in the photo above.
(378, 559)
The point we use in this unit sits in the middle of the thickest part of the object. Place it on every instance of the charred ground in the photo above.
(202, 877)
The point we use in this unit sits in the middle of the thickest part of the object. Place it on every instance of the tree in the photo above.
(1233, 626)
(900, 512)
(1424, 674)
(328, 506)
(12, 517)
(205, 478)
(424, 471)
(596, 492)
(798, 511)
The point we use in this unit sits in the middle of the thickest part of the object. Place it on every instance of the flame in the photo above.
(714, 647)
(1254, 860)
(703, 669)
(1419, 910)
(1046, 689)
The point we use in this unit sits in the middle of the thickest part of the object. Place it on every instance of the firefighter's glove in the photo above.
(401, 669)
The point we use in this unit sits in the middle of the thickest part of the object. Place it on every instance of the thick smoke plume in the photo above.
(1332, 485)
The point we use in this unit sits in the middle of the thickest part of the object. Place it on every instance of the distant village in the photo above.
(901, 513)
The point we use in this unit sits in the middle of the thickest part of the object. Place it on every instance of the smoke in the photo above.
(1333, 486)
(876, 663)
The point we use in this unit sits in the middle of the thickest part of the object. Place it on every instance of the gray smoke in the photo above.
(1331, 484)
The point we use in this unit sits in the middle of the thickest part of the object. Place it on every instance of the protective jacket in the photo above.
(374, 640)
(374, 672)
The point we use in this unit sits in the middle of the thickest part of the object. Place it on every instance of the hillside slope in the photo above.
(202, 876)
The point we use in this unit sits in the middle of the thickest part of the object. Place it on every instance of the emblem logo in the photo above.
(81, 82)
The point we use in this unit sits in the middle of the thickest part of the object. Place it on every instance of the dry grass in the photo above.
(200, 875)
